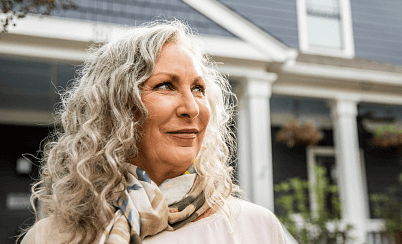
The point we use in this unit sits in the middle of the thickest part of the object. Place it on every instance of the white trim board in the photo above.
(334, 94)
(42, 48)
(343, 73)
(231, 48)
(275, 50)
(244, 72)
(66, 29)
(76, 31)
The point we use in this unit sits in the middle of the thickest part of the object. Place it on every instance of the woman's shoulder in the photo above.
(247, 209)
(46, 230)
(259, 219)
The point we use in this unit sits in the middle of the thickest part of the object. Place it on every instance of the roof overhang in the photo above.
(270, 47)
(68, 39)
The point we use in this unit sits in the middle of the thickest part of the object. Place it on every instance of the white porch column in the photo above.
(351, 190)
(254, 140)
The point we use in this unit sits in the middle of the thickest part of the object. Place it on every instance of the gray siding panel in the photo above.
(365, 44)
(381, 51)
(365, 31)
(377, 30)
(384, 20)
(277, 17)
(134, 13)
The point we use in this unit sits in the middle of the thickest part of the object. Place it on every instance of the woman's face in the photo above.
(178, 114)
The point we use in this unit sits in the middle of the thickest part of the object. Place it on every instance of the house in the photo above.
(336, 62)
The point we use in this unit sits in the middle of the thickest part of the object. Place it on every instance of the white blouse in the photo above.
(252, 224)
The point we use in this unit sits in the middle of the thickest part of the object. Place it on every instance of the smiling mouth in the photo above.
(184, 131)
(184, 134)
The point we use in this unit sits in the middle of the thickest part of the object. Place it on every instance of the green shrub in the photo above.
(321, 227)
(389, 207)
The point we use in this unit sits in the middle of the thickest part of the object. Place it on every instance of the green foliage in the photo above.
(311, 228)
(387, 129)
(389, 207)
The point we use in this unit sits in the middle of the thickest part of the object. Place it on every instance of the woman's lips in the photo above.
(184, 134)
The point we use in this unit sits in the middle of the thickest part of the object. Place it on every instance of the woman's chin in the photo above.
(184, 161)
(182, 155)
(181, 158)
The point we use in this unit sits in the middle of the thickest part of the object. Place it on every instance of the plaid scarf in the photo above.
(145, 209)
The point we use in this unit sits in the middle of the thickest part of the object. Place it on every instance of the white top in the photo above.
(253, 224)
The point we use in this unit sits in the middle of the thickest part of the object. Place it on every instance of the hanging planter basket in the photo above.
(387, 137)
(294, 133)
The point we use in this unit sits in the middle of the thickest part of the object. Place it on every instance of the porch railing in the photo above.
(378, 238)
(375, 232)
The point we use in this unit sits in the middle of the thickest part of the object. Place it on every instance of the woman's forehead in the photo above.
(180, 51)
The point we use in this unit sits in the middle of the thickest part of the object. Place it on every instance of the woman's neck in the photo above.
(158, 173)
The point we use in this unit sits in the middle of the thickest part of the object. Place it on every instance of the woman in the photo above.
(143, 154)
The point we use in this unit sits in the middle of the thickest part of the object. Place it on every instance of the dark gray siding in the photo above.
(277, 17)
(134, 13)
(24, 141)
(27, 85)
(377, 29)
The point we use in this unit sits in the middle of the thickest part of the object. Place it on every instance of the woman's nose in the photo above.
(188, 106)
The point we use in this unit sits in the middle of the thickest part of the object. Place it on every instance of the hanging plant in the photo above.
(387, 137)
(294, 133)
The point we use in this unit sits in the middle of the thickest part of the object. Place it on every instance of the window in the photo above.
(325, 157)
(325, 27)
(323, 24)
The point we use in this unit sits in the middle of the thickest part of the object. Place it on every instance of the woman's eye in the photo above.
(199, 89)
(164, 86)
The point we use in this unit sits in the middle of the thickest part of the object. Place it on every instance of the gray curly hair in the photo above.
(84, 165)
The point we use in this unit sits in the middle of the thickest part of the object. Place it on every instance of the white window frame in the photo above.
(348, 49)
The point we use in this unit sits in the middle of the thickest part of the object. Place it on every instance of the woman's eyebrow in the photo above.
(176, 78)
(197, 79)
(172, 76)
